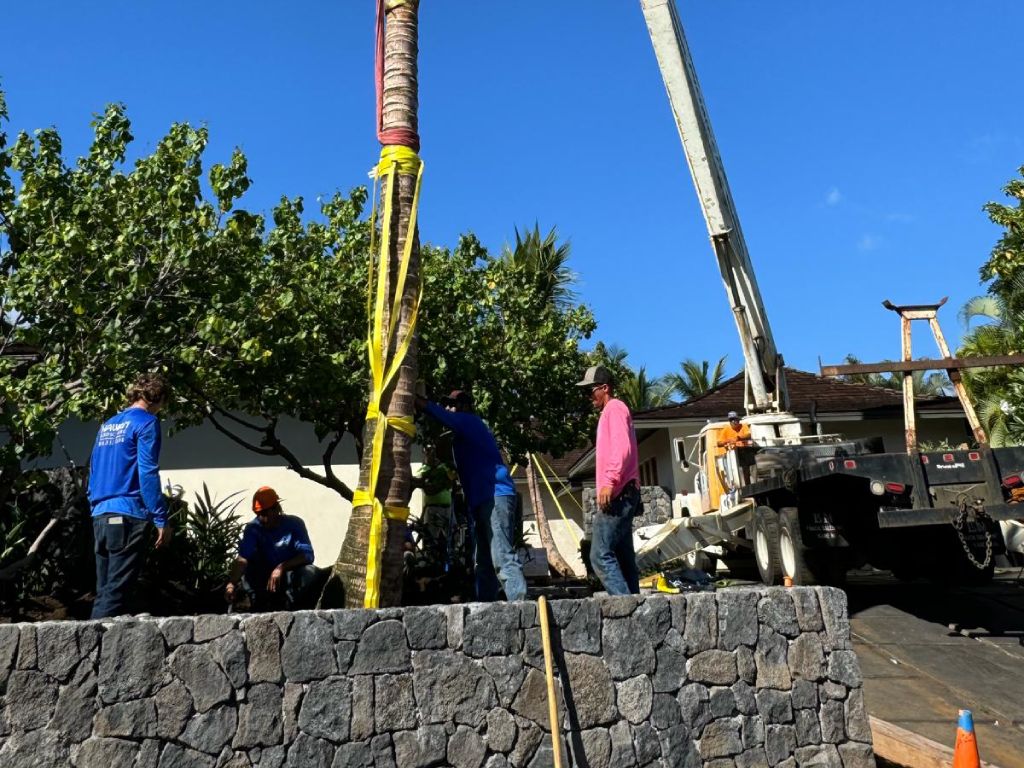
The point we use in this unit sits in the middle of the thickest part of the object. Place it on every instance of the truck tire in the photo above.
(793, 553)
(766, 546)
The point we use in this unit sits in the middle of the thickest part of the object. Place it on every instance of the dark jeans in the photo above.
(495, 523)
(611, 550)
(119, 544)
(291, 595)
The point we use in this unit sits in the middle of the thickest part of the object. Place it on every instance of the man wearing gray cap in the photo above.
(618, 487)
(736, 434)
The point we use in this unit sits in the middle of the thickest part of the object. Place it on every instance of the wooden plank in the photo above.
(941, 363)
(906, 748)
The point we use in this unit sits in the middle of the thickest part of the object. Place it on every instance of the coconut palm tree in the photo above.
(997, 391)
(639, 392)
(695, 378)
(544, 263)
(926, 383)
(397, 107)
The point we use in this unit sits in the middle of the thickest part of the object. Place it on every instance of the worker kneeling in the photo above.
(275, 558)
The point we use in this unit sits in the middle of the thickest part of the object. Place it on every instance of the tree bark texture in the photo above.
(394, 478)
(556, 562)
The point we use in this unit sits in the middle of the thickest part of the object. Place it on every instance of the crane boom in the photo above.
(766, 386)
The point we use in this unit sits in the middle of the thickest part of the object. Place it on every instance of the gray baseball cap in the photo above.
(596, 374)
(732, 415)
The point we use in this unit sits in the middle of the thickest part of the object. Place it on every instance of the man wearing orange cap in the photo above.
(275, 558)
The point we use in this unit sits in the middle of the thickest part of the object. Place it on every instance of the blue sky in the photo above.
(860, 139)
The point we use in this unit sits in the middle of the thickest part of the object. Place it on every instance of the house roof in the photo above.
(806, 391)
(826, 395)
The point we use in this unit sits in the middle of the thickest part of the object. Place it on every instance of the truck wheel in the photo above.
(766, 545)
(791, 548)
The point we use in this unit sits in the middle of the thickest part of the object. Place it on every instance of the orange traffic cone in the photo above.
(965, 754)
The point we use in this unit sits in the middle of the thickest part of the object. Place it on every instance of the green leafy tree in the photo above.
(111, 268)
(695, 378)
(999, 392)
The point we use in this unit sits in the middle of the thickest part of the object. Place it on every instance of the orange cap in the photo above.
(265, 498)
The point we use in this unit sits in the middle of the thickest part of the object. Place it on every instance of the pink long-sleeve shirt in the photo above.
(617, 462)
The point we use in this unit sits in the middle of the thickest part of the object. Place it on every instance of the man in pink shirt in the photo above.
(618, 487)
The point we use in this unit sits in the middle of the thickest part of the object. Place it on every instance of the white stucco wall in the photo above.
(199, 455)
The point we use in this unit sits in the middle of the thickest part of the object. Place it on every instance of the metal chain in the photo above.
(973, 513)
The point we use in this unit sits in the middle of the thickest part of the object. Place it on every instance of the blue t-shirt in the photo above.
(482, 471)
(270, 547)
(124, 475)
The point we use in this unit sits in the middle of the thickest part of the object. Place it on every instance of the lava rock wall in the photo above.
(734, 679)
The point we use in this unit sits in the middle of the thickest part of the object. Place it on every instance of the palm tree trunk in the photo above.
(393, 487)
(555, 560)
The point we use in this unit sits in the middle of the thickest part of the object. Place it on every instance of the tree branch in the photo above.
(271, 439)
(329, 455)
(213, 406)
(244, 443)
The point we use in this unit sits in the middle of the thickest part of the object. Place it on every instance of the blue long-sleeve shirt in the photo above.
(124, 475)
(482, 471)
(266, 548)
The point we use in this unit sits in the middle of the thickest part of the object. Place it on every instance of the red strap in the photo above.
(404, 136)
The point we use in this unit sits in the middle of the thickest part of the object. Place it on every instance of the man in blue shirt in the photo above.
(489, 492)
(124, 492)
(275, 557)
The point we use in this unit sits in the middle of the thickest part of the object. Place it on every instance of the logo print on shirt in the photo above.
(112, 434)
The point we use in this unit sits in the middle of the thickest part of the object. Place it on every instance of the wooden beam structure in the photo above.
(908, 749)
(951, 365)
(934, 364)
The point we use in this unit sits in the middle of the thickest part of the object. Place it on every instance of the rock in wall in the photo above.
(734, 679)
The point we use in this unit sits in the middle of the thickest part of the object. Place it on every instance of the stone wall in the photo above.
(656, 502)
(734, 679)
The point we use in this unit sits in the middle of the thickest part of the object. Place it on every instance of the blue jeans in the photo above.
(611, 550)
(494, 521)
(119, 544)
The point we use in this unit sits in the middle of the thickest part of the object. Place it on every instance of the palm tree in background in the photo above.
(926, 383)
(695, 378)
(639, 392)
(546, 261)
(994, 389)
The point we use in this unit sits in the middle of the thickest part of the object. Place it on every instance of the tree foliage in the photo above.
(695, 378)
(112, 268)
(926, 383)
(999, 392)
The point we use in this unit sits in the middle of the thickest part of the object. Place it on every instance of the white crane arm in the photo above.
(766, 387)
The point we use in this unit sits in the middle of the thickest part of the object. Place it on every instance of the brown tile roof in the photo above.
(827, 395)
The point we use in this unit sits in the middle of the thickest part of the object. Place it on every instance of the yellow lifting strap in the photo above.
(558, 504)
(394, 160)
